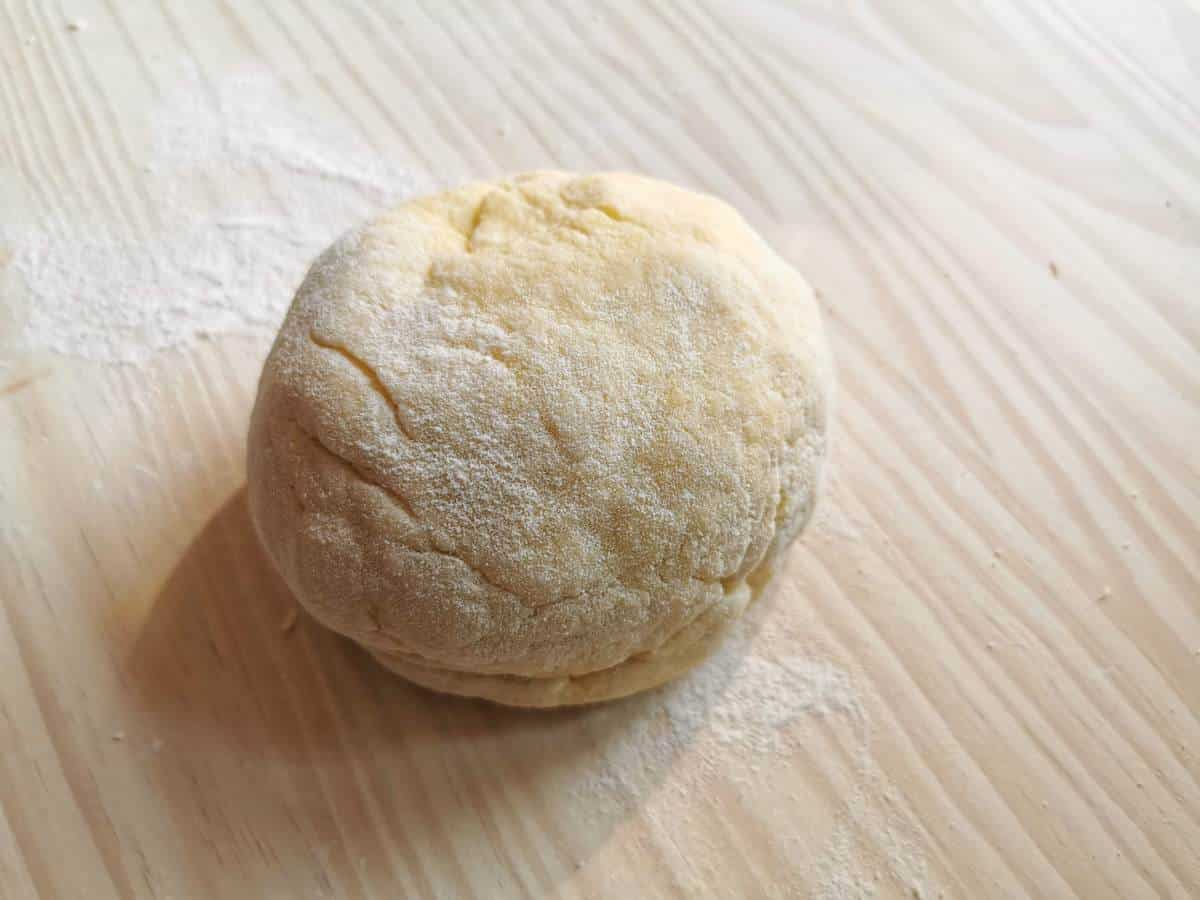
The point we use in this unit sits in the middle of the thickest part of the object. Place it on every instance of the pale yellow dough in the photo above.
(541, 440)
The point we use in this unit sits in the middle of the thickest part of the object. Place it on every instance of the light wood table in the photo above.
(999, 202)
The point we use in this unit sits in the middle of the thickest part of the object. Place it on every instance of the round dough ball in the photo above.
(541, 440)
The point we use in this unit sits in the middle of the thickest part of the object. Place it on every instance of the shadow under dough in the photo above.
(299, 728)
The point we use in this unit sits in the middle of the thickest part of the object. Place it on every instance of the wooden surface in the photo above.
(999, 203)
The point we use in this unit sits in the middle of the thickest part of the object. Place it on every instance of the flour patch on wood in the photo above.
(246, 188)
(731, 714)
(763, 700)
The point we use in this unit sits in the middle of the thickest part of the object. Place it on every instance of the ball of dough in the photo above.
(541, 440)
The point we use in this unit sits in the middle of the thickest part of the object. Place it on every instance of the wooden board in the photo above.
(999, 203)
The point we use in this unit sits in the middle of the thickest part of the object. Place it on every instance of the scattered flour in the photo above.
(733, 722)
(873, 853)
(733, 713)
(245, 189)
(763, 698)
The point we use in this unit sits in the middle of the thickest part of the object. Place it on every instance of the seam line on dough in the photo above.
(370, 374)
(404, 504)
(605, 209)
(420, 661)
(473, 226)
(400, 499)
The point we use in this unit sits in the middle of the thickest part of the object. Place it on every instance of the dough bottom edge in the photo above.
(681, 652)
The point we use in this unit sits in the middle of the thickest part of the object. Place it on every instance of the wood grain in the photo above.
(999, 203)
